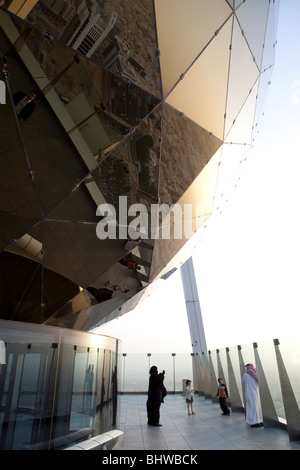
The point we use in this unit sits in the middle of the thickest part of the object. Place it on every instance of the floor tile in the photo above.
(206, 430)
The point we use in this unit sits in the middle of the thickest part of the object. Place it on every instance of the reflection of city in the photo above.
(121, 106)
(99, 30)
(102, 109)
(88, 389)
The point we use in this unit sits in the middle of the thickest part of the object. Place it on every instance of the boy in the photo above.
(223, 394)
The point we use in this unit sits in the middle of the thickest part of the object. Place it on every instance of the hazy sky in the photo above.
(248, 262)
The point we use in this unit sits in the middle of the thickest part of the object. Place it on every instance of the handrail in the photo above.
(205, 376)
(97, 442)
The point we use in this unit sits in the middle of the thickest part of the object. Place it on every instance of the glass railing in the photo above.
(278, 369)
(135, 371)
(57, 386)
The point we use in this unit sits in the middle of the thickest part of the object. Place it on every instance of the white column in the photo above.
(193, 306)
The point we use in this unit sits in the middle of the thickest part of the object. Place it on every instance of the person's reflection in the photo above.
(24, 104)
(114, 395)
(89, 379)
(102, 398)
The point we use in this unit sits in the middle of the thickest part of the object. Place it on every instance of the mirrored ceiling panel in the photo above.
(75, 251)
(252, 17)
(231, 159)
(98, 103)
(242, 128)
(118, 35)
(237, 3)
(270, 42)
(184, 29)
(100, 129)
(201, 94)
(33, 293)
(13, 227)
(130, 169)
(184, 144)
(170, 253)
(264, 83)
(243, 74)
(231, 3)
(136, 159)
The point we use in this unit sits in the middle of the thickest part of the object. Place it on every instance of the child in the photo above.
(189, 397)
(223, 394)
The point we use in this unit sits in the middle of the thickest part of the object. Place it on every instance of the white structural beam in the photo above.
(193, 307)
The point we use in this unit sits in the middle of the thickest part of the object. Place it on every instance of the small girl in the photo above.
(189, 397)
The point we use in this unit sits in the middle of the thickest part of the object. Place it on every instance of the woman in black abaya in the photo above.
(156, 394)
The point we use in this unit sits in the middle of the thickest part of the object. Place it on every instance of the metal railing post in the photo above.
(199, 372)
(234, 395)
(242, 370)
(213, 380)
(267, 405)
(291, 408)
(206, 374)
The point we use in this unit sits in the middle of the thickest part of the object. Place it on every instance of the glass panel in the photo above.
(136, 372)
(18, 193)
(27, 406)
(242, 77)
(36, 291)
(238, 3)
(177, 367)
(201, 192)
(119, 36)
(236, 369)
(87, 167)
(28, 386)
(231, 3)
(50, 400)
(83, 407)
(290, 351)
(184, 29)
(264, 82)
(191, 143)
(223, 362)
(267, 356)
(252, 17)
(242, 128)
(213, 356)
(231, 160)
(167, 362)
(205, 104)
(183, 371)
(14, 230)
(63, 240)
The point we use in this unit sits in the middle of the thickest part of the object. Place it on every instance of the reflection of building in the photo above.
(115, 58)
(80, 18)
(58, 11)
(113, 177)
(92, 32)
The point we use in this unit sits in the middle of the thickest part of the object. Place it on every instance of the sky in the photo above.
(247, 260)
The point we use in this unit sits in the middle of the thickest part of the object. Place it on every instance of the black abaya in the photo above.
(155, 396)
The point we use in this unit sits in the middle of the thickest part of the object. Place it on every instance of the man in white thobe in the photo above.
(253, 406)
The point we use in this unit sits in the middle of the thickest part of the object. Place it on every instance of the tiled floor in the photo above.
(207, 429)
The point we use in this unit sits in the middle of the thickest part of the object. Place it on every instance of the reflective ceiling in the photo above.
(156, 101)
